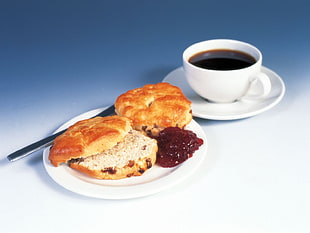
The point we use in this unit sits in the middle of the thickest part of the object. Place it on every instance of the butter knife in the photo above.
(45, 142)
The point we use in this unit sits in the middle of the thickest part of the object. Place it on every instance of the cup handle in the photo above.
(260, 86)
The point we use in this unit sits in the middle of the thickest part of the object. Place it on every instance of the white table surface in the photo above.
(60, 59)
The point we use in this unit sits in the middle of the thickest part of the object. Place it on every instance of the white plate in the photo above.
(152, 181)
(237, 110)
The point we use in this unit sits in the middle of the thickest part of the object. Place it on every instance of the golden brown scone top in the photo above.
(155, 106)
(89, 137)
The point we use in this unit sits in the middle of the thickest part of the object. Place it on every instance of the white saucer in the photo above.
(231, 111)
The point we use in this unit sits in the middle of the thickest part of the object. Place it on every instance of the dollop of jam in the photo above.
(176, 145)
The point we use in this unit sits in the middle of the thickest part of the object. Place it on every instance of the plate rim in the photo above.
(76, 185)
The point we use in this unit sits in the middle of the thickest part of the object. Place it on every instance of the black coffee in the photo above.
(222, 59)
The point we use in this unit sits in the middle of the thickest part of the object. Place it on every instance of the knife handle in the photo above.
(33, 147)
(49, 140)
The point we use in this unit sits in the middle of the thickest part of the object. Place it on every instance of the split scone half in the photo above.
(154, 107)
(105, 148)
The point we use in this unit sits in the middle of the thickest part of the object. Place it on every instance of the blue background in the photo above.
(62, 58)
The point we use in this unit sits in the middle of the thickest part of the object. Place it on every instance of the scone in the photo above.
(104, 148)
(154, 107)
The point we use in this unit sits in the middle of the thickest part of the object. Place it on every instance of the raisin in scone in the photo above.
(104, 148)
(154, 107)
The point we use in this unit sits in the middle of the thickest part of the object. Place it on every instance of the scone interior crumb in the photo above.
(134, 146)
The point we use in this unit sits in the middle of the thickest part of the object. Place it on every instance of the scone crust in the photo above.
(158, 105)
(88, 137)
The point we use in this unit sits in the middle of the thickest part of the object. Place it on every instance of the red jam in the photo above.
(176, 145)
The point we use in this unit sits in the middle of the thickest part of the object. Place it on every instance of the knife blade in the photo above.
(45, 142)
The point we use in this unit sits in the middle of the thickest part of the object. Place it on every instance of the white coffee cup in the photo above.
(225, 86)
